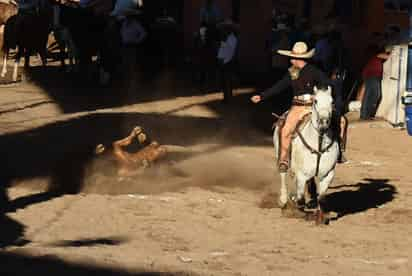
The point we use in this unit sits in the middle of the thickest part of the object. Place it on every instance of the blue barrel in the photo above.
(408, 118)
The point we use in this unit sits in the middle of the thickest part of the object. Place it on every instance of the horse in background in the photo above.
(314, 153)
(64, 38)
(28, 33)
(92, 34)
(8, 8)
(86, 31)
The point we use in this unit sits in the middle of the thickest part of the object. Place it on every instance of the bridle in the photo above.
(319, 151)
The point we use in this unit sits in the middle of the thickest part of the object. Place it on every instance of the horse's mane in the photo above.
(322, 87)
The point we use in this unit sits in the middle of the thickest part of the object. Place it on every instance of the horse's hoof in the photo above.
(290, 210)
(281, 205)
(293, 213)
(321, 218)
(311, 216)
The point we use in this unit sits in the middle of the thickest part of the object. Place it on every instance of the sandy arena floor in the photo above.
(196, 212)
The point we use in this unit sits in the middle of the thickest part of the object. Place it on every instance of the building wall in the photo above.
(255, 30)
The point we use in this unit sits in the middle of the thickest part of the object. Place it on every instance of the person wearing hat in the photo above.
(372, 77)
(302, 77)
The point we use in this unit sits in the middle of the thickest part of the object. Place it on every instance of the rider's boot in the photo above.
(283, 166)
(341, 158)
(284, 153)
(343, 139)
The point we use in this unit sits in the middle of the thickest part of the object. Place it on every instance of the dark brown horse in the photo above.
(89, 33)
(7, 10)
(28, 33)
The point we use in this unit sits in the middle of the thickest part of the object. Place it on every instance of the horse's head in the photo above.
(322, 108)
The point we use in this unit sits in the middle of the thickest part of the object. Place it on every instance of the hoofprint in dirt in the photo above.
(198, 210)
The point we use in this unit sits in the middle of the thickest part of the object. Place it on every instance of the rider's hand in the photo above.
(256, 99)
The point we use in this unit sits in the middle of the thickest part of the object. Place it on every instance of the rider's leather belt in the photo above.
(299, 103)
(303, 100)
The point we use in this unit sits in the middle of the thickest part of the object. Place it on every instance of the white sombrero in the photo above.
(299, 50)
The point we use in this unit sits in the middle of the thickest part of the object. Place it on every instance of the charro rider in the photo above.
(302, 77)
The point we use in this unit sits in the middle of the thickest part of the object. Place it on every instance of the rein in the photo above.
(318, 151)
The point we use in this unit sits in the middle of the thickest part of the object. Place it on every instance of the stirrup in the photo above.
(283, 166)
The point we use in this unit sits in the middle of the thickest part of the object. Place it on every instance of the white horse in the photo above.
(314, 152)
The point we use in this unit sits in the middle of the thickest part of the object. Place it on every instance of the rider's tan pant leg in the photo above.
(296, 113)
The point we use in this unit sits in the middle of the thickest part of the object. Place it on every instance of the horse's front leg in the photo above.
(58, 36)
(4, 69)
(25, 72)
(16, 64)
(323, 187)
(311, 194)
(284, 195)
(300, 190)
(43, 56)
(26, 59)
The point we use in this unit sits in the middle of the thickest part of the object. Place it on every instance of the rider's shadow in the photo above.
(371, 193)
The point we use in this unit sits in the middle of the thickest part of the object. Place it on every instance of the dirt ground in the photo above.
(196, 212)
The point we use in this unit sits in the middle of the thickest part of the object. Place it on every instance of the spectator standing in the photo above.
(226, 58)
(372, 77)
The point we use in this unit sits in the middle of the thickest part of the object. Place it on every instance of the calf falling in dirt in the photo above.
(129, 163)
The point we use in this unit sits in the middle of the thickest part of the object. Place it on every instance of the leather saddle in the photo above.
(280, 123)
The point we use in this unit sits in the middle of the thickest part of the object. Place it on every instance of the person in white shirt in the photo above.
(227, 48)
(226, 56)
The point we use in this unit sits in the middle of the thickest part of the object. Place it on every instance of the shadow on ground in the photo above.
(108, 241)
(62, 151)
(12, 233)
(13, 264)
(369, 194)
